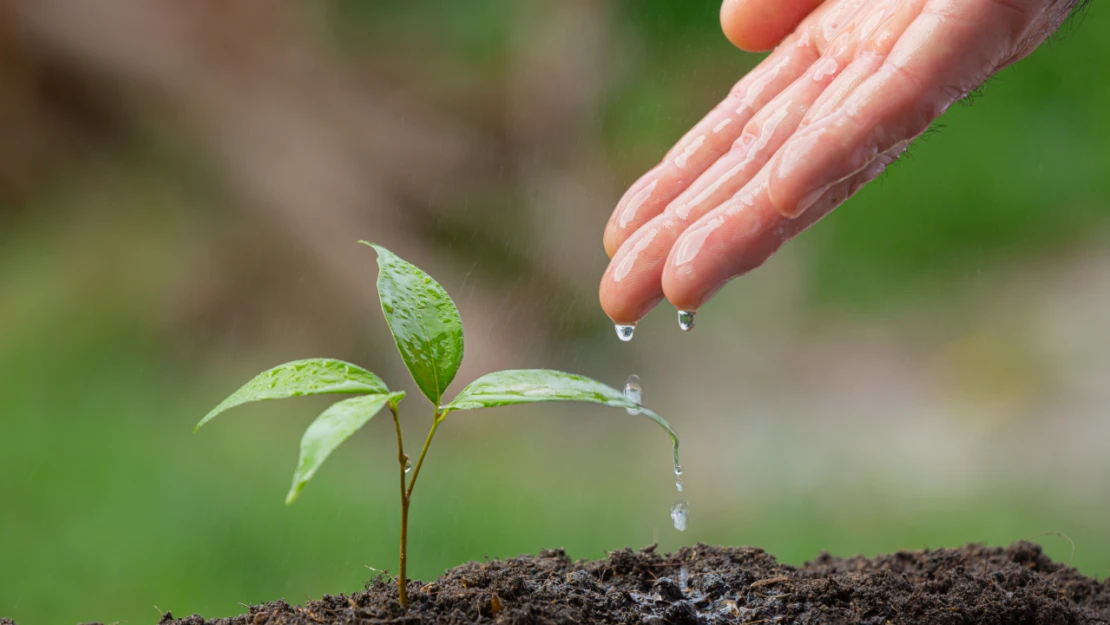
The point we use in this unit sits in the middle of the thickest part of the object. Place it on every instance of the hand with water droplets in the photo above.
(850, 84)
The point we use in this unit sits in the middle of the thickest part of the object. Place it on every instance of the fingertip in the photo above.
(623, 308)
(730, 241)
(760, 25)
(609, 240)
(686, 290)
(631, 286)
(681, 290)
(688, 278)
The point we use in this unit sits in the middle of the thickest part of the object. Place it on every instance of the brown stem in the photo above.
(402, 579)
(406, 498)
(423, 452)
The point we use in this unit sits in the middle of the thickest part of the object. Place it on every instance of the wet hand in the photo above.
(849, 85)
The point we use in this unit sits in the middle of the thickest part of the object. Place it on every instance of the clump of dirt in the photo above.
(715, 585)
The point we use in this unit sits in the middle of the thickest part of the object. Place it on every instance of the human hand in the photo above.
(837, 101)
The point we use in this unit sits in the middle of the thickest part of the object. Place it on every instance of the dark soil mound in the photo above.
(705, 584)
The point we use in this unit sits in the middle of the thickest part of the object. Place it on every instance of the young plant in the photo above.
(428, 331)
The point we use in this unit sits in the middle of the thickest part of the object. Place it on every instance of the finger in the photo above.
(743, 233)
(631, 286)
(874, 38)
(714, 135)
(767, 131)
(757, 25)
(705, 143)
(947, 50)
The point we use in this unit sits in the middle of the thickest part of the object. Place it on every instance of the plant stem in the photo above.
(402, 580)
(423, 452)
(406, 497)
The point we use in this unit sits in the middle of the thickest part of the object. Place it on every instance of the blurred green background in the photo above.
(181, 188)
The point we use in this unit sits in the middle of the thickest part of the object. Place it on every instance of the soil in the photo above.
(711, 585)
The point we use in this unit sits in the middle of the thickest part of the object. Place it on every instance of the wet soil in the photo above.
(710, 585)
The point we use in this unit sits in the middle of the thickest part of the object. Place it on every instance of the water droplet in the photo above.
(624, 332)
(408, 466)
(633, 392)
(686, 319)
(678, 514)
(678, 484)
(678, 469)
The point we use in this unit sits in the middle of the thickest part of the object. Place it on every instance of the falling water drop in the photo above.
(624, 331)
(678, 484)
(408, 466)
(634, 392)
(678, 514)
(686, 319)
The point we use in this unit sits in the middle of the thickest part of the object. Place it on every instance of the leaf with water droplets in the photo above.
(329, 430)
(315, 376)
(525, 386)
(424, 321)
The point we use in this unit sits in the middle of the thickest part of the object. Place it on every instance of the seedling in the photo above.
(428, 331)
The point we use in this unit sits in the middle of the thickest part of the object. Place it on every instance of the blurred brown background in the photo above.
(181, 188)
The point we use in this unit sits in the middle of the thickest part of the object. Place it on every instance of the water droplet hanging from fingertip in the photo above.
(625, 331)
(686, 319)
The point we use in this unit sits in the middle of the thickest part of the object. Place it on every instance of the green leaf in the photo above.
(329, 430)
(526, 386)
(315, 376)
(424, 321)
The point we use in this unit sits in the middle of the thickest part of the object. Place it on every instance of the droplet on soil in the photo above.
(686, 319)
(678, 514)
(625, 331)
(634, 392)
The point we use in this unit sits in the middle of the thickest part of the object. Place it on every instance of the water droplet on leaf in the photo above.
(634, 392)
(408, 466)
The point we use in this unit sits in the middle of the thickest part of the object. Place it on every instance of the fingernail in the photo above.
(686, 319)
